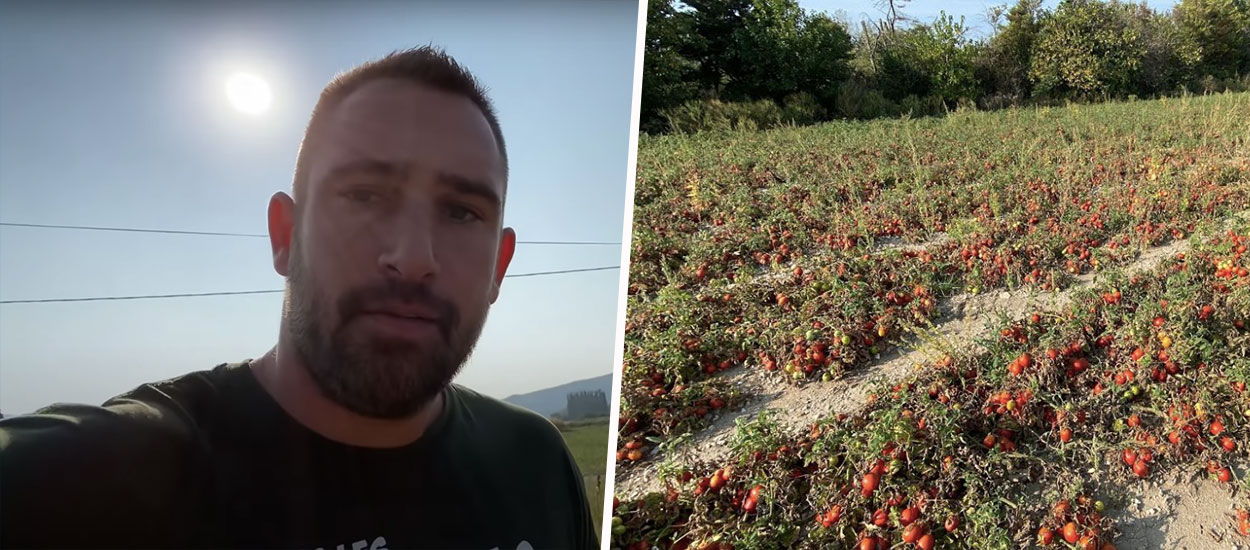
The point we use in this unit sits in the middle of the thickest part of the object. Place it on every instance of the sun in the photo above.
(248, 93)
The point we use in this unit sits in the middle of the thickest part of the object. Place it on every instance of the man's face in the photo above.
(397, 248)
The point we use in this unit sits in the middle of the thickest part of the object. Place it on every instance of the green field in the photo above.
(589, 444)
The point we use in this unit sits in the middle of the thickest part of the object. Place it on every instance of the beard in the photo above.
(372, 375)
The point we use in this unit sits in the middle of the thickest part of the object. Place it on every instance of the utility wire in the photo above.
(132, 230)
(149, 296)
(582, 270)
(243, 292)
(228, 234)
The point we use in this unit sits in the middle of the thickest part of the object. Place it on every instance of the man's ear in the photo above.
(281, 229)
(507, 246)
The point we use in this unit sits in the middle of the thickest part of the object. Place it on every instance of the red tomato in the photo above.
(913, 532)
(1045, 536)
(1071, 532)
(869, 484)
(926, 542)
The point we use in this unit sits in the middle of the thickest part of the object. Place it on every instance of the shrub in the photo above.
(1086, 50)
(917, 106)
(712, 115)
(802, 108)
(857, 100)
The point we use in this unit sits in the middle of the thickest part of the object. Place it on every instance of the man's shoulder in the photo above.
(485, 408)
(521, 453)
(504, 421)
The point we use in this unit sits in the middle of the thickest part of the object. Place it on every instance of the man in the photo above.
(349, 434)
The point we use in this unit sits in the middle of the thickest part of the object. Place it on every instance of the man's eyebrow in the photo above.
(367, 167)
(470, 186)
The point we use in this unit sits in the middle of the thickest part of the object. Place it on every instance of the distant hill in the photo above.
(553, 400)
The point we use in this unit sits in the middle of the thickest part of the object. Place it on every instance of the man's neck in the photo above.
(282, 374)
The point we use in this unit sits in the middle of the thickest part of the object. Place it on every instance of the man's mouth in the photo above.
(405, 321)
(406, 311)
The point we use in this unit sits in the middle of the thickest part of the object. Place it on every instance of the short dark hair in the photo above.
(425, 65)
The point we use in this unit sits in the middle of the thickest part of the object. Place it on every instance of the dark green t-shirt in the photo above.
(209, 460)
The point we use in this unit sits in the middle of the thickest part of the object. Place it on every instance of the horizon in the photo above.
(587, 379)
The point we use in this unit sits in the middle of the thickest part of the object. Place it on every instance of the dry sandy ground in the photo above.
(1179, 511)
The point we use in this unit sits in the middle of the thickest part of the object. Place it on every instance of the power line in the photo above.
(588, 243)
(144, 297)
(244, 292)
(132, 230)
(605, 268)
(229, 234)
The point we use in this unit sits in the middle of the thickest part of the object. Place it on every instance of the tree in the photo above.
(1169, 59)
(896, 68)
(945, 55)
(1084, 49)
(824, 51)
(1003, 66)
(770, 60)
(740, 51)
(893, 13)
(933, 59)
(782, 51)
(767, 51)
(668, 75)
(1220, 29)
(714, 30)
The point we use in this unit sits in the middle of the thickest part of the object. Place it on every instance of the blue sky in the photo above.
(117, 116)
(973, 11)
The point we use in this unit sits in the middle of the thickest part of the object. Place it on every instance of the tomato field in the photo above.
(807, 253)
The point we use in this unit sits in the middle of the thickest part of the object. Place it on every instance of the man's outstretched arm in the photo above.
(85, 476)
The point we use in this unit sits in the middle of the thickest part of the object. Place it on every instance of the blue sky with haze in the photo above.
(973, 11)
(117, 116)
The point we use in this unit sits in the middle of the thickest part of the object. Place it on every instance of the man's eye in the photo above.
(461, 214)
(362, 195)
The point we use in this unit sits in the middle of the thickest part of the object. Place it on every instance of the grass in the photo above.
(589, 444)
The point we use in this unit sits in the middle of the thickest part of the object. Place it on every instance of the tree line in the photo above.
(757, 63)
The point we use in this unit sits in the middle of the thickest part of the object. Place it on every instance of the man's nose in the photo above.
(411, 254)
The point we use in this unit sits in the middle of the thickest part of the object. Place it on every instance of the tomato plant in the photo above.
(808, 252)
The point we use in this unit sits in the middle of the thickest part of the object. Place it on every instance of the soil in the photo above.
(1179, 511)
